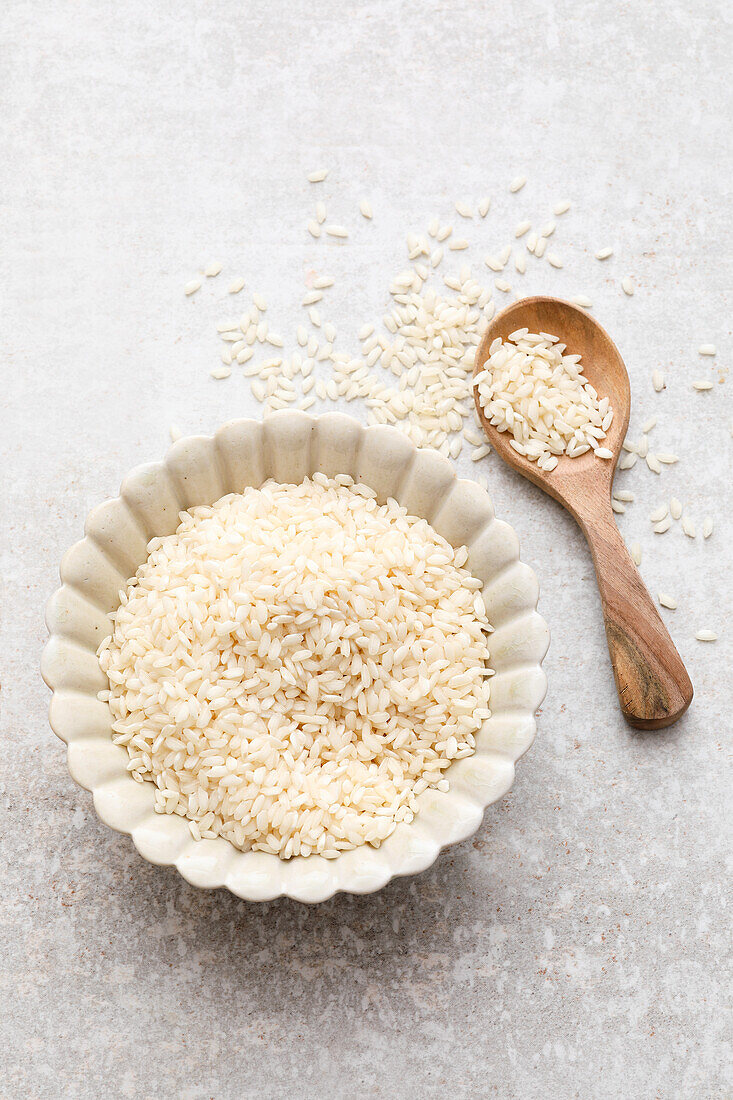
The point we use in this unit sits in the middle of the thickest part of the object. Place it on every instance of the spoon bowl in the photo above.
(602, 366)
(652, 683)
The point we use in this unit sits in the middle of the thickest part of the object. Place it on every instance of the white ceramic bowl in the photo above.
(198, 470)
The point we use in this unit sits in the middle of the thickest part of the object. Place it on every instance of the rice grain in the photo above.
(308, 713)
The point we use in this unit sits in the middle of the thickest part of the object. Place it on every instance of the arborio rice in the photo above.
(296, 664)
(529, 387)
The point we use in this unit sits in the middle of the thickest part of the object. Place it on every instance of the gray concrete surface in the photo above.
(579, 945)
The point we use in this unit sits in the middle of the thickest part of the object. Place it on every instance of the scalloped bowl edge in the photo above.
(200, 469)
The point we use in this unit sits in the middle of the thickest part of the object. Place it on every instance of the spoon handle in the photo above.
(652, 683)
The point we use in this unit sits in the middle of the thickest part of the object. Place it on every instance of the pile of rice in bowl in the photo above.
(296, 664)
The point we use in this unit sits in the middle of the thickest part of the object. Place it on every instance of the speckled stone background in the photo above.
(578, 946)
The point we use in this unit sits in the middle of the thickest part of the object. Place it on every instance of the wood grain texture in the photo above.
(652, 682)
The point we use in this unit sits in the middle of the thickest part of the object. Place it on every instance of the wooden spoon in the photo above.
(652, 683)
